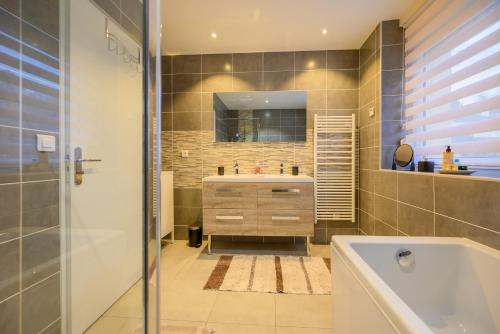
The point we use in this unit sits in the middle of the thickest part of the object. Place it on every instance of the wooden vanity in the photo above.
(264, 205)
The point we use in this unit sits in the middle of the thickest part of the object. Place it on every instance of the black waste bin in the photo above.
(195, 236)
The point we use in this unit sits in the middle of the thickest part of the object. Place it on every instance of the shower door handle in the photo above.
(79, 165)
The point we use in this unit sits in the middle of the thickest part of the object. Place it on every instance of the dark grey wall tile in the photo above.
(187, 64)
(9, 155)
(364, 113)
(366, 223)
(207, 121)
(369, 46)
(392, 108)
(55, 328)
(166, 64)
(381, 228)
(215, 63)
(343, 79)
(342, 99)
(310, 79)
(187, 216)
(414, 221)
(248, 81)
(320, 237)
(42, 14)
(40, 206)
(38, 165)
(367, 93)
(10, 210)
(343, 59)
(316, 99)
(40, 256)
(187, 102)
(279, 80)
(110, 7)
(11, 6)
(385, 210)
(366, 201)
(41, 305)
(392, 133)
(474, 201)
(167, 121)
(9, 321)
(392, 82)
(447, 227)
(186, 83)
(278, 61)
(187, 197)
(340, 224)
(385, 183)
(340, 231)
(133, 10)
(40, 106)
(167, 83)
(187, 121)
(9, 262)
(217, 82)
(207, 102)
(166, 103)
(180, 232)
(366, 180)
(366, 136)
(392, 33)
(310, 60)
(247, 62)
(367, 158)
(392, 57)
(416, 189)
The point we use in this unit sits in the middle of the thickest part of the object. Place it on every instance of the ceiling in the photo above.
(272, 25)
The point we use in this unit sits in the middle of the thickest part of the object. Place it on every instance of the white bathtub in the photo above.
(453, 286)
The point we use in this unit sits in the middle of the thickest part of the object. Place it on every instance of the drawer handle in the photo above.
(291, 191)
(285, 218)
(229, 217)
(226, 190)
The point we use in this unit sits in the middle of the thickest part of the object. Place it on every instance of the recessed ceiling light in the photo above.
(267, 101)
(214, 35)
(324, 31)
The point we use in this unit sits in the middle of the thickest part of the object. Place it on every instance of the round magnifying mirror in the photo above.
(403, 155)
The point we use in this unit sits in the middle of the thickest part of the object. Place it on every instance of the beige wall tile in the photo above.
(416, 189)
(342, 99)
(385, 210)
(343, 79)
(414, 221)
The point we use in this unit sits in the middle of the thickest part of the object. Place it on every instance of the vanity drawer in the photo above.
(279, 196)
(230, 221)
(286, 222)
(229, 195)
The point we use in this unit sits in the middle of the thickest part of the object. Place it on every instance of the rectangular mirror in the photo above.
(260, 116)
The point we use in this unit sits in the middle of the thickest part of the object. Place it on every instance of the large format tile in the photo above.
(38, 165)
(310, 60)
(9, 146)
(9, 321)
(40, 206)
(10, 209)
(302, 330)
(130, 304)
(224, 328)
(385, 210)
(42, 14)
(234, 307)
(343, 79)
(414, 221)
(416, 189)
(40, 256)
(248, 81)
(342, 59)
(187, 64)
(247, 62)
(342, 99)
(278, 61)
(9, 274)
(474, 201)
(304, 310)
(214, 63)
(385, 183)
(41, 305)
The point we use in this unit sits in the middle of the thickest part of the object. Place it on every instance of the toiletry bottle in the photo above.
(448, 159)
(257, 168)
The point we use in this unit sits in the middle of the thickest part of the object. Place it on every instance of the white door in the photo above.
(106, 208)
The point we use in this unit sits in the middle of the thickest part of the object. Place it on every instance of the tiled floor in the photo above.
(185, 270)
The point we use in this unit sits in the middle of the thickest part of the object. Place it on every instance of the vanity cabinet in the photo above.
(258, 208)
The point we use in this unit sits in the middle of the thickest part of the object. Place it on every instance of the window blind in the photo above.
(452, 81)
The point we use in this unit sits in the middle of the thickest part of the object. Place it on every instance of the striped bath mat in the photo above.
(268, 273)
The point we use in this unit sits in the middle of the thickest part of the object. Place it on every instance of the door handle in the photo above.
(79, 165)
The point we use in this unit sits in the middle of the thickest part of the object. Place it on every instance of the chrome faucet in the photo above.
(236, 167)
(282, 168)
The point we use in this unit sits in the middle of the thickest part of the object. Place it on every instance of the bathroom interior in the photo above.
(268, 166)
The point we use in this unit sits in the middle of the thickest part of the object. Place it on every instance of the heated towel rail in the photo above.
(334, 167)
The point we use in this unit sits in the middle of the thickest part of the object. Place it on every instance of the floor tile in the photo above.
(302, 330)
(304, 310)
(244, 308)
(220, 328)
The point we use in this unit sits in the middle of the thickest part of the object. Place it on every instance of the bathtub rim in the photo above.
(388, 302)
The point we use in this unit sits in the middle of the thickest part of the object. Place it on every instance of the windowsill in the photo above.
(481, 174)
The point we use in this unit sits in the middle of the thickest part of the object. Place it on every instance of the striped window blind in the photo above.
(452, 81)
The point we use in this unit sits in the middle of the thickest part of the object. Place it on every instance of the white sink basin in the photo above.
(258, 178)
